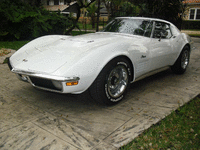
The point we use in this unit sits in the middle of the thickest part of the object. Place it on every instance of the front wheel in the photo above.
(112, 83)
(182, 62)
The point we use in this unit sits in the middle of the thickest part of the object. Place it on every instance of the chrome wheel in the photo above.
(185, 59)
(113, 82)
(117, 81)
(182, 62)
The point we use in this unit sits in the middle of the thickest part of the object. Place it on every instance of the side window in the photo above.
(162, 30)
(148, 29)
(144, 28)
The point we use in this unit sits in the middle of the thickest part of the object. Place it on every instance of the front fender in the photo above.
(91, 64)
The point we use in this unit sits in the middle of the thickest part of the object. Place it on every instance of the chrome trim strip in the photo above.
(151, 73)
(45, 76)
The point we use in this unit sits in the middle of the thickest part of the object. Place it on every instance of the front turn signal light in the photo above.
(72, 83)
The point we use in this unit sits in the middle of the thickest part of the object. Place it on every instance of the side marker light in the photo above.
(72, 83)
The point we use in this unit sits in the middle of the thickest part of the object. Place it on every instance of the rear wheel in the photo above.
(112, 83)
(182, 62)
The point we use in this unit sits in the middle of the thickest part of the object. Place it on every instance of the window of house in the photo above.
(194, 14)
(66, 2)
(198, 14)
(61, 2)
(56, 2)
(50, 2)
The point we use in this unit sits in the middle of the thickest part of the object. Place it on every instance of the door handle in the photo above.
(143, 56)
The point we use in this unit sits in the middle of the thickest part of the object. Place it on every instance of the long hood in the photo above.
(47, 54)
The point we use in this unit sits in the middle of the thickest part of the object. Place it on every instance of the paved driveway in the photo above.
(34, 119)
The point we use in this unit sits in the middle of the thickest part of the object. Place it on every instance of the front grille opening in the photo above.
(45, 83)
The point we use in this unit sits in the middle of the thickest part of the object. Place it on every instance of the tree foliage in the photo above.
(22, 21)
(170, 10)
(80, 4)
(92, 9)
(128, 9)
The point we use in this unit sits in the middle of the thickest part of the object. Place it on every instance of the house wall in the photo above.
(187, 12)
(190, 4)
(53, 2)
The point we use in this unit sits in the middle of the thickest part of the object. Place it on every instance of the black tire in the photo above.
(112, 83)
(182, 62)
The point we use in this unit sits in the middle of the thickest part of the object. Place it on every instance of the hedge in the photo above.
(190, 24)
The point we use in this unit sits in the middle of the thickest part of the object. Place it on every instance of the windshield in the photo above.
(130, 26)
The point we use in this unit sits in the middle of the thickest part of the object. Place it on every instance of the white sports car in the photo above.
(106, 62)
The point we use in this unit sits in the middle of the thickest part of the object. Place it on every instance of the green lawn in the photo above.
(74, 33)
(194, 35)
(15, 45)
(89, 26)
(178, 131)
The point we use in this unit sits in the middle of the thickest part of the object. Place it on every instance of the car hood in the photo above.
(48, 55)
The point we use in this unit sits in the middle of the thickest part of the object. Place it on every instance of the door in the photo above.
(160, 46)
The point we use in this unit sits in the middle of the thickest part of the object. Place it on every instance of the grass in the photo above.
(192, 29)
(74, 33)
(15, 45)
(89, 26)
(178, 131)
(194, 35)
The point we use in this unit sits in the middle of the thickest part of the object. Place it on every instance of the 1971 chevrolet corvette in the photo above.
(106, 62)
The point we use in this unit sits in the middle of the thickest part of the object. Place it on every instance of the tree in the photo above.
(98, 15)
(80, 4)
(92, 13)
(112, 6)
(128, 9)
(33, 2)
(22, 21)
(170, 10)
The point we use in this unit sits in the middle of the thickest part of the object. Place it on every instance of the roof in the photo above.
(58, 7)
(191, 1)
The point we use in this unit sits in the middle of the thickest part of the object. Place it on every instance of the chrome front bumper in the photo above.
(43, 81)
(45, 76)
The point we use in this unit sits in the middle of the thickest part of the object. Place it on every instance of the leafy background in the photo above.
(20, 21)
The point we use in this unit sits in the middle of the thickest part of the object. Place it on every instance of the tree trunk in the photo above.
(75, 22)
(98, 15)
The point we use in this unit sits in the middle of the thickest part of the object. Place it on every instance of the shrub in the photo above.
(191, 24)
(24, 22)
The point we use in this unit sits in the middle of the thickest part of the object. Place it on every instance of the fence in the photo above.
(86, 24)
